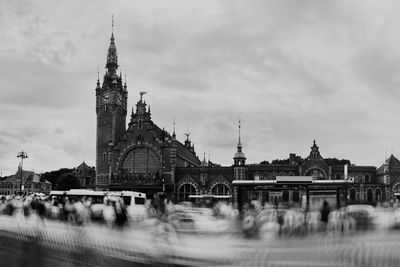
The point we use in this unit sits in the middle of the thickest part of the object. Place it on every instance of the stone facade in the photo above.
(146, 158)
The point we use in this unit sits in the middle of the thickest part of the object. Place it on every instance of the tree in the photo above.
(54, 176)
(68, 181)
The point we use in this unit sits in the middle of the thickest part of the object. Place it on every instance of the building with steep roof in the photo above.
(85, 174)
(144, 157)
(388, 174)
(25, 182)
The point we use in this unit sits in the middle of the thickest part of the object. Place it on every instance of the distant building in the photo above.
(31, 183)
(85, 174)
(388, 174)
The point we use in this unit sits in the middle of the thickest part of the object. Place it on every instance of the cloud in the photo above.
(292, 70)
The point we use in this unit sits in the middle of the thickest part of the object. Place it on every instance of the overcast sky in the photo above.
(293, 71)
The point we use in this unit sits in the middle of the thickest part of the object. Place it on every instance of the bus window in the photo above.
(127, 200)
(140, 200)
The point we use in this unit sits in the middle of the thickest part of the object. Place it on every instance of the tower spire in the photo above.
(98, 78)
(112, 24)
(112, 55)
(239, 145)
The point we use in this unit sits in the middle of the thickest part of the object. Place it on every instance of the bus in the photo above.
(134, 201)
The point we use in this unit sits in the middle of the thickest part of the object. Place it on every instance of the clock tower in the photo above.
(111, 110)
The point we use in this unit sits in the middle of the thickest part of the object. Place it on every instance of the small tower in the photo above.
(239, 157)
(314, 153)
(239, 161)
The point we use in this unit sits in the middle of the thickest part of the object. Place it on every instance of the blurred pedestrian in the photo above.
(325, 210)
(121, 214)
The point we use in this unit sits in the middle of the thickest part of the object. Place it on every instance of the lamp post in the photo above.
(163, 135)
(23, 155)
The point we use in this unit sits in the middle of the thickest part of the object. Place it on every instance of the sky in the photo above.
(292, 71)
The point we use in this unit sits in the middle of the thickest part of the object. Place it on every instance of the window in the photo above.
(338, 176)
(104, 156)
(367, 178)
(186, 190)
(220, 189)
(141, 160)
(316, 174)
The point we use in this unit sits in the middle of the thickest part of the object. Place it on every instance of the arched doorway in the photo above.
(369, 195)
(185, 191)
(352, 195)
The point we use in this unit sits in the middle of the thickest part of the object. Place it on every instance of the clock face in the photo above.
(119, 98)
(105, 97)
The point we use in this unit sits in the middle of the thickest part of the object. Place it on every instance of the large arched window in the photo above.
(316, 174)
(141, 160)
(185, 190)
(220, 190)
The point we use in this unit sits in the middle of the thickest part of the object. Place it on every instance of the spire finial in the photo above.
(112, 23)
(98, 78)
(239, 129)
(239, 145)
(173, 133)
(141, 93)
(187, 135)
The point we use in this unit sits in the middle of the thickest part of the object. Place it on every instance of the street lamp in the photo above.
(23, 155)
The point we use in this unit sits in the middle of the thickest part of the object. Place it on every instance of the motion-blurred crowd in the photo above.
(254, 221)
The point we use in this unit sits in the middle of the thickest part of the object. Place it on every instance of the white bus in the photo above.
(134, 201)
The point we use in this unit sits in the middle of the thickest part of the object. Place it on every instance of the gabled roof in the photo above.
(393, 161)
(27, 176)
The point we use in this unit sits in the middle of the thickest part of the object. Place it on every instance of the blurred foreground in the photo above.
(262, 236)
